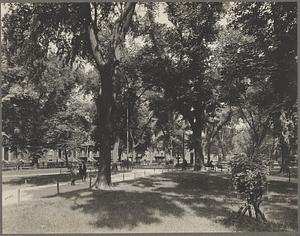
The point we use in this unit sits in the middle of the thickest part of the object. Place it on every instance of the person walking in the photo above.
(184, 164)
(83, 171)
(73, 175)
(80, 172)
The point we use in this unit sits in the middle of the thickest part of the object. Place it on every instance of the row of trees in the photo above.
(42, 113)
(212, 65)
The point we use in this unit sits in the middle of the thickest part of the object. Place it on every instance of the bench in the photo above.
(8, 166)
(274, 171)
(274, 168)
(223, 165)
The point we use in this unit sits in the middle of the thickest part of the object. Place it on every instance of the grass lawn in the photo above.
(169, 202)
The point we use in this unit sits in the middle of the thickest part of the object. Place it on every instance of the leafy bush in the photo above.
(249, 179)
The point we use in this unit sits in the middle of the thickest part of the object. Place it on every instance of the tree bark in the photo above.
(104, 171)
(66, 157)
(197, 143)
(221, 147)
(258, 212)
(105, 98)
(208, 150)
(104, 106)
(284, 155)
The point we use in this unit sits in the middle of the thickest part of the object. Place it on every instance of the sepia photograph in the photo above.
(149, 117)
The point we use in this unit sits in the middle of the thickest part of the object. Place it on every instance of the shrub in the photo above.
(248, 176)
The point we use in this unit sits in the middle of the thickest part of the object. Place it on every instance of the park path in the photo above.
(23, 193)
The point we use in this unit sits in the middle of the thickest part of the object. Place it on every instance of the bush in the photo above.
(249, 179)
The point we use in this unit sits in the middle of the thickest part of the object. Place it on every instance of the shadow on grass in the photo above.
(284, 214)
(149, 182)
(211, 195)
(247, 224)
(148, 200)
(118, 209)
(282, 187)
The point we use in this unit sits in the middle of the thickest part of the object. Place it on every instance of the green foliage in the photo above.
(176, 60)
(176, 57)
(71, 127)
(273, 26)
(274, 29)
(249, 177)
(31, 105)
(192, 65)
(37, 25)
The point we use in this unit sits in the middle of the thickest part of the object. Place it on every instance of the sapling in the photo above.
(249, 179)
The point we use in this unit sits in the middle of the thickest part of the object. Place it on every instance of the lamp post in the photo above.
(127, 133)
(127, 126)
(183, 154)
(183, 134)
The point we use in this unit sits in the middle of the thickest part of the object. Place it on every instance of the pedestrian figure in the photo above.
(80, 172)
(73, 175)
(184, 164)
(83, 171)
(211, 165)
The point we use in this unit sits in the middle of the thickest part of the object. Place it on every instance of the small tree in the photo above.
(249, 179)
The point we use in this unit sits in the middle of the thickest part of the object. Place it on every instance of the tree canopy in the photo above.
(216, 66)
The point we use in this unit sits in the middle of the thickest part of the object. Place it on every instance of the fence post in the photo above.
(19, 196)
(90, 180)
(57, 185)
(289, 175)
(154, 170)
(144, 173)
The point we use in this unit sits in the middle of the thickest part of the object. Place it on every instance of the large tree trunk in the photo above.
(197, 143)
(66, 158)
(104, 126)
(221, 147)
(105, 98)
(284, 155)
(208, 150)
(104, 171)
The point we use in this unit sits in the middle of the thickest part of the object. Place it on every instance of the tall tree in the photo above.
(214, 127)
(176, 59)
(274, 29)
(29, 105)
(91, 31)
(72, 127)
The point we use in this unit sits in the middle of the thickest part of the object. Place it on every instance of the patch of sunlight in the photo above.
(84, 194)
(200, 205)
(213, 197)
(284, 204)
